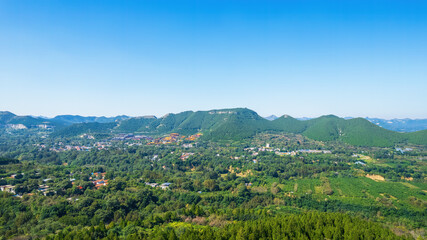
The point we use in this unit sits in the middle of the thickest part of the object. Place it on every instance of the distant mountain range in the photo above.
(398, 125)
(10, 119)
(58, 121)
(226, 124)
(401, 125)
(71, 119)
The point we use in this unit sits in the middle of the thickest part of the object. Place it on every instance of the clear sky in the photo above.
(302, 58)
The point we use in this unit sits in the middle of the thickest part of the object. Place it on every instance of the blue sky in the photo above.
(302, 58)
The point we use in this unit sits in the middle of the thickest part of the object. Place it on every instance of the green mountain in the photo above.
(288, 124)
(356, 131)
(228, 123)
(238, 123)
(171, 122)
(233, 124)
(324, 128)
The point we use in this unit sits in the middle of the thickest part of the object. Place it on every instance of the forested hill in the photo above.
(239, 123)
(10, 119)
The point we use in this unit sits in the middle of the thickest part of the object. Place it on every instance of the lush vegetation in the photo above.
(267, 180)
(303, 226)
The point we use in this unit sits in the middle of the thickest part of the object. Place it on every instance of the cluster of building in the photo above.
(194, 137)
(21, 126)
(16, 126)
(163, 186)
(60, 147)
(45, 190)
(130, 136)
(267, 148)
(8, 188)
(293, 153)
(171, 138)
(69, 147)
(87, 136)
(129, 139)
(255, 151)
(98, 179)
(174, 138)
(186, 155)
(403, 150)
(102, 145)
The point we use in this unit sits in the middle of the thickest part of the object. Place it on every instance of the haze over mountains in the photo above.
(226, 124)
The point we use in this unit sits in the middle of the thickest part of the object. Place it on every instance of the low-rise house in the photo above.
(360, 163)
(49, 193)
(162, 186)
(186, 155)
(100, 183)
(43, 188)
(165, 185)
(99, 175)
(151, 184)
(8, 188)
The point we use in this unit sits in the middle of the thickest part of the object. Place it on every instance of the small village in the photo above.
(127, 139)
(97, 179)
(282, 152)
(174, 138)
(163, 186)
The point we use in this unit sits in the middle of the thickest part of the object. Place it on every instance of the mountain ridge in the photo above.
(240, 123)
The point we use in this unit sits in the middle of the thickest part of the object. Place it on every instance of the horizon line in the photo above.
(158, 116)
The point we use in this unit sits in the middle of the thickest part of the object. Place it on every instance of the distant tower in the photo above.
(267, 145)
